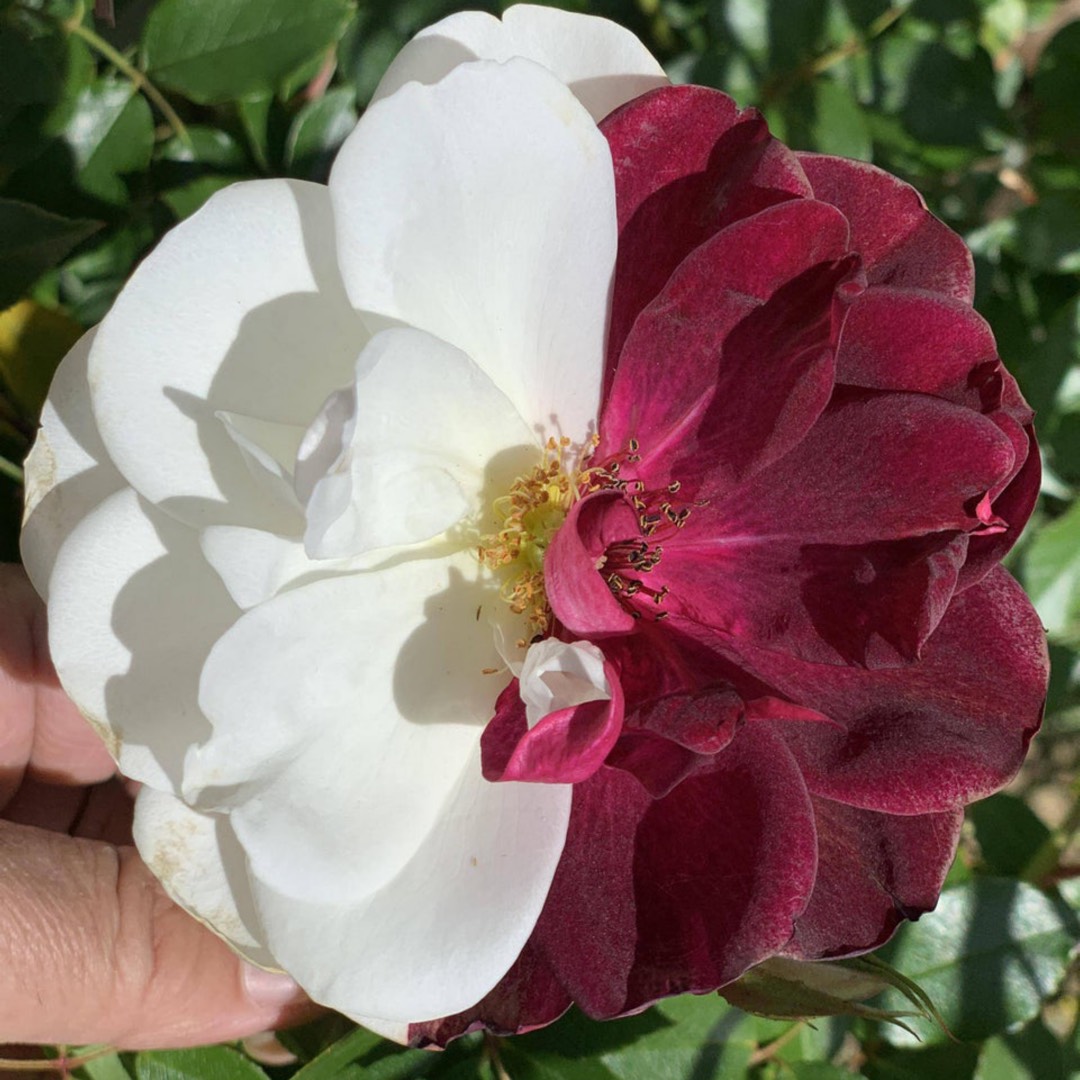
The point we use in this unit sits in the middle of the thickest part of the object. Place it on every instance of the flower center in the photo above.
(528, 517)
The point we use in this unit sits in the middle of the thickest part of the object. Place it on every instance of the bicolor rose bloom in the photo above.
(555, 562)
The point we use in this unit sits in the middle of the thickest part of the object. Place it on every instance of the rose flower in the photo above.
(558, 561)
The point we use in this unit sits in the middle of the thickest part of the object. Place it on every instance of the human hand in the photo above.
(91, 949)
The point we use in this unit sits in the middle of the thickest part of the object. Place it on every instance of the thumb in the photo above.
(93, 951)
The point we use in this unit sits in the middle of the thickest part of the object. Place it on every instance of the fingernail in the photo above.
(269, 988)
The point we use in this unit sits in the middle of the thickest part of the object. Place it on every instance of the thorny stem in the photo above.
(75, 26)
(820, 64)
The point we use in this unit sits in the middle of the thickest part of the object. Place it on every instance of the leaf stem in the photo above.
(13, 472)
(75, 26)
(61, 1064)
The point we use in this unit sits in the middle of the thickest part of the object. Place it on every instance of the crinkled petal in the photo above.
(238, 309)
(732, 363)
(68, 471)
(926, 737)
(687, 163)
(482, 210)
(311, 695)
(603, 64)
(203, 868)
(874, 871)
(900, 241)
(133, 612)
(558, 724)
(425, 438)
(736, 837)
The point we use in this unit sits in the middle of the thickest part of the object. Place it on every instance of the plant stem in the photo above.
(11, 470)
(75, 26)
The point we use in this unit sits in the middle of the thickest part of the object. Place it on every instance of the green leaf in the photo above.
(110, 134)
(1052, 575)
(90, 280)
(839, 125)
(184, 200)
(952, 1061)
(105, 1067)
(205, 1063)
(347, 1049)
(989, 955)
(681, 1037)
(1048, 234)
(1031, 1054)
(1009, 834)
(31, 241)
(215, 50)
(318, 131)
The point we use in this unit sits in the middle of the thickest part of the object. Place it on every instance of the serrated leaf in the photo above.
(1052, 575)
(989, 955)
(213, 51)
(204, 1063)
(32, 241)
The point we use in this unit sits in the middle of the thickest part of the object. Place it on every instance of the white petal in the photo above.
(424, 439)
(203, 868)
(255, 565)
(438, 937)
(482, 210)
(347, 715)
(239, 309)
(269, 451)
(133, 611)
(557, 675)
(602, 63)
(68, 471)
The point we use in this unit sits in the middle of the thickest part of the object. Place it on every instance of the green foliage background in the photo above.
(114, 129)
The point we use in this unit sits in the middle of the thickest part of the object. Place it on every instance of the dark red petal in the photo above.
(528, 996)
(933, 735)
(714, 876)
(1014, 506)
(874, 871)
(874, 467)
(910, 339)
(687, 163)
(729, 367)
(900, 241)
(578, 594)
(564, 747)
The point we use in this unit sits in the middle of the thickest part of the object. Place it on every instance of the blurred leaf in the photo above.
(1048, 234)
(215, 50)
(184, 200)
(33, 340)
(331, 1061)
(90, 280)
(683, 1038)
(989, 955)
(1052, 575)
(1031, 1054)
(839, 122)
(1057, 117)
(110, 134)
(952, 1061)
(318, 131)
(31, 241)
(817, 1070)
(204, 1063)
(254, 112)
(205, 146)
(104, 1067)
(1009, 833)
